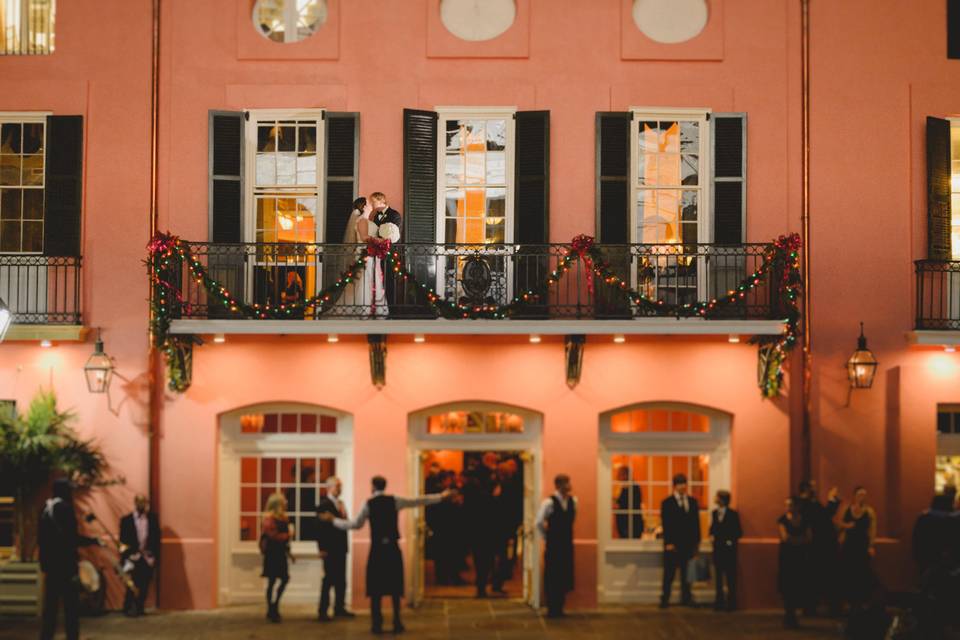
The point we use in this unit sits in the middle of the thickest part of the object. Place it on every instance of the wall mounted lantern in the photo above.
(5, 319)
(99, 368)
(862, 365)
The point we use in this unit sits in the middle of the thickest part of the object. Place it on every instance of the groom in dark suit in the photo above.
(680, 516)
(384, 214)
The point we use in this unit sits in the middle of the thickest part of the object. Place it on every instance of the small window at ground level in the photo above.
(26, 27)
(300, 480)
(287, 423)
(462, 422)
(289, 20)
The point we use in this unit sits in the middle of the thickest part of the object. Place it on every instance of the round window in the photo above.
(477, 20)
(289, 20)
(670, 21)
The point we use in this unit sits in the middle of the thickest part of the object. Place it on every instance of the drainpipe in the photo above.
(807, 356)
(155, 390)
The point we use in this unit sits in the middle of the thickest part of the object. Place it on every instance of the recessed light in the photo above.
(219, 338)
(733, 339)
(619, 338)
(534, 338)
(46, 344)
(950, 348)
(333, 338)
(419, 338)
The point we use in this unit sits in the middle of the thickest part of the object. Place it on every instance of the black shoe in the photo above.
(481, 593)
(323, 617)
(664, 603)
(376, 630)
(398, 627)
(556, 614)
(343, 613)
(499, 591)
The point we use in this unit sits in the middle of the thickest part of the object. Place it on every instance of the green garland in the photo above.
(166, 251)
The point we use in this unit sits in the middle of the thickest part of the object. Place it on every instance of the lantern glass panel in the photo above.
(98, 371)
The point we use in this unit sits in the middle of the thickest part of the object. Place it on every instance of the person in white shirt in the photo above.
(555, 523)
(385, 563)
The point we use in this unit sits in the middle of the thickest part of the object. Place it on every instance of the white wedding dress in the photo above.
(364, 294)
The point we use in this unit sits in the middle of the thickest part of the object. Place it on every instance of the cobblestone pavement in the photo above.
(459, 619)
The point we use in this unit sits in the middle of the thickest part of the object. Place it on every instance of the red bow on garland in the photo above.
(582, 245)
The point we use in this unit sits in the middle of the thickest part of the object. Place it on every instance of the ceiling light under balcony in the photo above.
(733, 338)
(534, 338)
(419, 338)
(332, 338)
(619, 338)
(46, 344)
(219, 338)
(949, 348)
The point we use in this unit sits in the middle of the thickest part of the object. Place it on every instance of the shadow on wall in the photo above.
(172, 573)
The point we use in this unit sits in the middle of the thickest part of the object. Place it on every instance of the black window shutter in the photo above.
(953, 29)
(532, 178)
(226, 176)
(343, 145)
(63, 186)
(613, 177)
(729, 177)
(419, 176)
(938, 189)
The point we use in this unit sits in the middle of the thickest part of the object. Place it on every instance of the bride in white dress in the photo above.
(364, 294)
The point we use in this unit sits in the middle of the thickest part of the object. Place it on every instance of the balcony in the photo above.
(289, 288)
(938, 303)
(43, 294)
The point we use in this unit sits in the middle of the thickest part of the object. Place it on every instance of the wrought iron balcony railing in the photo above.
(938, 295)
(41, 289)
(471, 276)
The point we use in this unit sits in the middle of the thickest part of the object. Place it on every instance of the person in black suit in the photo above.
(385, 214)
(680, 516)
(139, 551)
(58, 540)
(332, 545)
(385, 563)
(824, 547)
(726, 533)
(555, 522)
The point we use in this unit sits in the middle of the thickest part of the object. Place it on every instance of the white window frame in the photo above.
(31, 117)
(954, 190)
(48, 29)
(699, 115)
(234, 445)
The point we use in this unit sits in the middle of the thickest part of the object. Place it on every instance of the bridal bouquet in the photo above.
(389, 231)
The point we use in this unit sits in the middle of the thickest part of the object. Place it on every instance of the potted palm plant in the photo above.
(34, 447)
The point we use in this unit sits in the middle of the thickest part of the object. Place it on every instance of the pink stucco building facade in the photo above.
(875, 78)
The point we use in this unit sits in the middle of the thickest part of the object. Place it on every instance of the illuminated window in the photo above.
(641, 482)
(475, 178)
(467, 422)
(289, 20)
(287, 423)
(664, 420)
(955, 189)
(21, 184)
(299, 479)
(26, 27)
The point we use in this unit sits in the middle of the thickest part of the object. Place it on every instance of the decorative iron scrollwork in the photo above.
(476, 278)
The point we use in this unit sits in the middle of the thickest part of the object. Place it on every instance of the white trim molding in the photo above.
(934, 338)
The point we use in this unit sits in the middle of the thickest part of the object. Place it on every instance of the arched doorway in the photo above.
(455, 436)
(287, 447)
(642, 447)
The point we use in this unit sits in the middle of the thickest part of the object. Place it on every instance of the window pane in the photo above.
(248, 499)
(328, 424)
(266, 137)
(453, 135)
(286, 168)
(496, 167)
(659, 469)
(688, 205)
(248, 470)
(670, 137)
(308, 423)
(9, 236)
(660, 420)
(286, 138)
(680, 464)
(32, 237)
(290, 493)
(648, 137)
(306, 168)
(495, 231)
(689, 169)
(249, 528)
(308, 499)
(473, 168)
(32, 170)
(496, 135)
(265, 493)
(268, 470)
(10, 204)
(679, 421)
(266, 168)
(307, 139)
(288, 470)
(270, 422)
(639, 467)
(33, 204)
(620, 423)
(943, 422)
(690, 137)
(11, 136)
(453, 168)
(701, 468)
(10, 170)
(328, 467)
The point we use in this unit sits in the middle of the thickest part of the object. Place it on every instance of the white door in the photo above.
(530, 543)
(291, 449)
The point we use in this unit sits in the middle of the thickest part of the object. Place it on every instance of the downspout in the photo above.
(807, 355)
(154, 389)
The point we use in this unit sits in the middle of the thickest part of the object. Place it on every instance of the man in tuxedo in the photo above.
(680, 516)
(385, 214)
(332, 546)
(385, 563)
(58, 541)
(139, 550)
(726, 533)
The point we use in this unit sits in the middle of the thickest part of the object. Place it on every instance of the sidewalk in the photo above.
(459, 619)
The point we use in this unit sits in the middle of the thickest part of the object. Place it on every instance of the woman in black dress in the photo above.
(275, 547)
(858, 530)
(795, 537)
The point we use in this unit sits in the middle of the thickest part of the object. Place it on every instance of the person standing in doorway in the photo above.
(680, 517)
(726, 533)
(140, 544)
(58, 541)
(555, 523)
(332, 546)
(385, 563)
(275, 547)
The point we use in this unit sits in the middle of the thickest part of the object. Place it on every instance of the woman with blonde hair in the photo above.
(275, 547)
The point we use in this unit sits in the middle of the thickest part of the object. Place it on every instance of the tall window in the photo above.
(26, 27)
(670, 174)
(476, 177)
(21, 184)
(955, 189)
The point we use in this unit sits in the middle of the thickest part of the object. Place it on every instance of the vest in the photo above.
(560, 523)
(383, 519)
